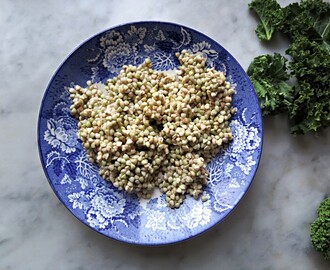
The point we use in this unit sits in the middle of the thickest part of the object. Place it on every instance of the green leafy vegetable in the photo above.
(274, 93)
(270, 15)
(320, 229)
(322, 27)
(307, 101)
(310, 64)
(310, 19)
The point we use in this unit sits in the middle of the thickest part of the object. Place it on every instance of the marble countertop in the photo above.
(268, 230)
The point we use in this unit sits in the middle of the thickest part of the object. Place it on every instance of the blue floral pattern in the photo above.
(96, 202)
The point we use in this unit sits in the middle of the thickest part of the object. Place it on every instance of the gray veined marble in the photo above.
(268, 230)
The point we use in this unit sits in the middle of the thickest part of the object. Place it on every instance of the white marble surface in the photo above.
(268, 230)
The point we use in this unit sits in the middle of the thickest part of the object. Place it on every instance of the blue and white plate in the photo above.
(96, 202)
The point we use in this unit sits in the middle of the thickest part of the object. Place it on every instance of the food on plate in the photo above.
(147, 128)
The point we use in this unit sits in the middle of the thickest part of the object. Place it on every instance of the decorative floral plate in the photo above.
(96, 202)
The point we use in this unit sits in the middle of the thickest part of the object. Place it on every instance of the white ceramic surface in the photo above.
(268, 230)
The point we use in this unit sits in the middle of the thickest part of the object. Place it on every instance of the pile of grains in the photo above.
(148, 128)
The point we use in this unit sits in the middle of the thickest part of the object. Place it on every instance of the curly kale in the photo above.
(273, 91)
(320, 229)
(309, 19)
(307, 24)
(310, 65)
(270, 15)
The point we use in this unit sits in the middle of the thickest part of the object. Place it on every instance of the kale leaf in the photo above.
(320, 229)
(310, 18)
(270, 14)
(310, 65)
(268, 74)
